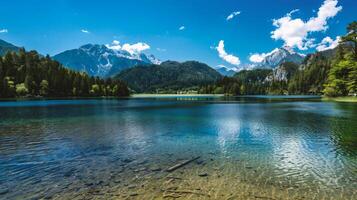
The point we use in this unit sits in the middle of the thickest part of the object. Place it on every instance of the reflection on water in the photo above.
(249, 148)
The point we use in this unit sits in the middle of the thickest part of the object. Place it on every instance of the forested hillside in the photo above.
(331, 73)
(169, 77)
(29, 74)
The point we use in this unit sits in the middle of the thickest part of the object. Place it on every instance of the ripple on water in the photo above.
(247, 151)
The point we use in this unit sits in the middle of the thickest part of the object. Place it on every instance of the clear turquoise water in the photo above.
(119, 148)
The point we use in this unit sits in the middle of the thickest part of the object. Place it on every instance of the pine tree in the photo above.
(28, 73)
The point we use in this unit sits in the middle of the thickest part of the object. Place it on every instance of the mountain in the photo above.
(278, 56)
(169, 76)
(5, 47)
(225, 71)
(29, 74)
(99, 60)
(313, 72)
(283, 72)
(253, 76)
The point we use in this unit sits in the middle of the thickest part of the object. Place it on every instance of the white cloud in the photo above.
(131, 48)
(182, 28)
(135, 48)
(85, 31)
(293, 11)
(3, 31)
(115, 45)
(294, 32)
(159, 49)
(116, 42)
(328, 43)
(259, 57)
(232, 15)
(234, 60)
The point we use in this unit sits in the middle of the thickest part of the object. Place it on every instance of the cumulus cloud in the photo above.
(234, 60)
(115, 45)
(116, 42)
(259, 57)
(135, 48)
(232, 15)
(3, 31)
(328, 43)
(85, 31)
(294, 32)
(131, 48)
(182, 28)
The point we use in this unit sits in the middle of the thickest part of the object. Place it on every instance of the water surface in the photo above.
(249, 148)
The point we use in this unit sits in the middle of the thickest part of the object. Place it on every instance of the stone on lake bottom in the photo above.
(203, 174)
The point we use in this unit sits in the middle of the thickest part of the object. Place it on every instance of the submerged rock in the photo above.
(156, 169)
(203, 174)
(128, 160)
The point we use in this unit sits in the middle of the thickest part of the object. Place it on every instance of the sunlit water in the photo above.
(249, 148)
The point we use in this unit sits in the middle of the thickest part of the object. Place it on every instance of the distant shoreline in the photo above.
(348, 99)
(175, 95)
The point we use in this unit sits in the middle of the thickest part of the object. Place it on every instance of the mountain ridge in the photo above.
(279, 56)
(225, 71)
(100, 60)
(6, 47)
(168, 76)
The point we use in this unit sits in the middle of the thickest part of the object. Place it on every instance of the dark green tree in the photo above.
(27, 73)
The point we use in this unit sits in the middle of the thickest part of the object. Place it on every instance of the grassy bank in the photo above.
(341, 99)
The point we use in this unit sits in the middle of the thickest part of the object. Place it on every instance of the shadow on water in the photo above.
(272, 147)
(345, 128)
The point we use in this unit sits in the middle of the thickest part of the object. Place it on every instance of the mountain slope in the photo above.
(5, 47)
(99, 60)
(42, 76)
(225, 71)
(283, 72)
(278, 56)
(169, 75)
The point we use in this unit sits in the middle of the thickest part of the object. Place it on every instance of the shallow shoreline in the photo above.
(341, 99)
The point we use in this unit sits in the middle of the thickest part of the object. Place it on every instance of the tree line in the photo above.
(331, 73)
(30, 74)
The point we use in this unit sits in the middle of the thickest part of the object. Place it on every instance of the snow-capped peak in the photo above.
(133, 51)
(154, 60)
(278, 56)
(106, 60)
(289, 49)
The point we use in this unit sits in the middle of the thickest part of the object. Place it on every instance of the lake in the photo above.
(255, 147)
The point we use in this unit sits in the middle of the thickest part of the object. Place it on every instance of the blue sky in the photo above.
(53, 26)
